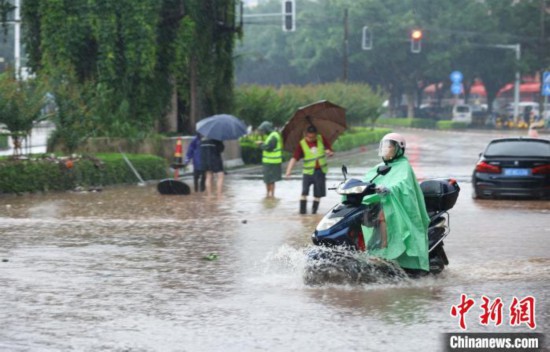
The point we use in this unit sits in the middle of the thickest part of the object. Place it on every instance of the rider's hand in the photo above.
(382, 190)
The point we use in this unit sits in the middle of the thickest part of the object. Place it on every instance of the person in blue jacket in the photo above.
(194, 153)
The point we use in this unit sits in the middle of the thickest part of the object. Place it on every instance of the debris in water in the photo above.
(211, 256)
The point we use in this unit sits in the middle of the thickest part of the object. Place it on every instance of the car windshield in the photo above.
(519, 148)
(462, 109)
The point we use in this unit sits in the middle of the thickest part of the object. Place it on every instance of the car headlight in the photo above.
(352, 190)
(327, 223)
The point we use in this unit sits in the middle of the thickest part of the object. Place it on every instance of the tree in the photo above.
(457, 35)
(140, 53)
(20, 106)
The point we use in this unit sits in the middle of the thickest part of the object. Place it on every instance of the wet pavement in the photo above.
(127, 269)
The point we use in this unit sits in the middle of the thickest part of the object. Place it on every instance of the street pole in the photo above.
(516, 84)
(17, 39)
(345, 49)
(517, 49)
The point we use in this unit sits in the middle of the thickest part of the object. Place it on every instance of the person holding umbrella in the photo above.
(211, 159)
(272, 156)
(314, 149)
(215, 129)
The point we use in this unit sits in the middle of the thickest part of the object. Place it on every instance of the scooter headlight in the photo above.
(327, 223)
(352, 190)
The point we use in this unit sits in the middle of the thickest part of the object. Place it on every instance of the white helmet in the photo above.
(392, 146)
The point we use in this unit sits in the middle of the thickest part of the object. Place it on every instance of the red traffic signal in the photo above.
(416, 34)
(416, 41)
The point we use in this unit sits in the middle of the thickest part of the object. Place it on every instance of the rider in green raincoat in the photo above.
(398, 224)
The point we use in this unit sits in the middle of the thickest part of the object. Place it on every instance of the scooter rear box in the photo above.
(440, 195)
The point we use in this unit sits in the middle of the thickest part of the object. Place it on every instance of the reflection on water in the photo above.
(124, 270)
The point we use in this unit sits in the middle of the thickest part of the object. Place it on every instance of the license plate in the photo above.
(517, 172)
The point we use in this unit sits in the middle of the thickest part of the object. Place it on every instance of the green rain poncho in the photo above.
(405, 214)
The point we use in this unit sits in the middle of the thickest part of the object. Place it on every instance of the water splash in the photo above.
(340, 266)
(321, 266)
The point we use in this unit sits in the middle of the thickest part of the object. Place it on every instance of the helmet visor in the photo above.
(387, 149)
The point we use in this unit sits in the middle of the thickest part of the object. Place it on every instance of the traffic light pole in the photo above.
(517, 49)
(288, 14)
(345, 49)
(16, 38)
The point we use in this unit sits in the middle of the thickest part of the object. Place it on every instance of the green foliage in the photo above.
(255, 104)
(5, 8)
(20, 105)
(358, 137)
(55, 174)
(457, 35)
(406, 122)
(73, 114)
(451, 125)
(3, 141)
(129, 56)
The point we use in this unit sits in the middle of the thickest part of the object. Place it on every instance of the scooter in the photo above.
(339, 235)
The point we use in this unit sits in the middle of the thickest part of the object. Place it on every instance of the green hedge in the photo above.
(254, 103)
(353, 138)
(406, 122)
(451, 125)
(57, 174)
(422, 123)
(359, 137)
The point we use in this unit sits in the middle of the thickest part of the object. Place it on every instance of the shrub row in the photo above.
(254, 103)
(359, 137)
(58, 174)
(406, 122)
(423, 123)
(451, 125)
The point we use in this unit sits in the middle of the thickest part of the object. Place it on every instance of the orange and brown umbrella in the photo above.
(328, 118)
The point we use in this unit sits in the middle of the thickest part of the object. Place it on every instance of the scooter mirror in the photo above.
(344, 171)
(383, 169)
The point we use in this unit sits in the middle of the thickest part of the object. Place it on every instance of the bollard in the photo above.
(178, 159)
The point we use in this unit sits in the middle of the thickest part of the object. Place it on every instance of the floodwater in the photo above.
(127, 269)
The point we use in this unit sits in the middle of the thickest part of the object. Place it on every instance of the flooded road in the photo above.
(126, 269)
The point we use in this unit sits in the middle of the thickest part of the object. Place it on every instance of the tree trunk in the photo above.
(193, 95)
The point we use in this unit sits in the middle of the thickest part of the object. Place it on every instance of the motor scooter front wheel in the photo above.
(340, 265)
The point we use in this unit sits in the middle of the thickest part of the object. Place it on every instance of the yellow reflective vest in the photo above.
(276, 155)
(311, 158)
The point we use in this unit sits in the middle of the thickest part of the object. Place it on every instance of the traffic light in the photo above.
(416, 41)
(367, 39)
(289, 16)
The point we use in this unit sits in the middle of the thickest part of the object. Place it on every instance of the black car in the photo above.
(513, 167)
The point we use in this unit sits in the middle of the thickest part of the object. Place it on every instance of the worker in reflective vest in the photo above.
(314, 149)
(272, 156)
